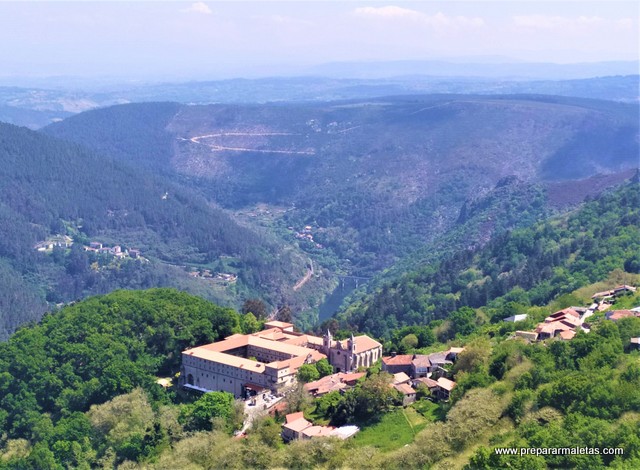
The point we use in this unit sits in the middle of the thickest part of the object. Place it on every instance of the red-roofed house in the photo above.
(408, 393)
(297, 427)
(398, 363)
(444, 388)
(294, 424)
(616, 315)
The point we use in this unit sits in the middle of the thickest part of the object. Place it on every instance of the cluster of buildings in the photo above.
(565, 323)
(608, 295)
(65, 241)
(269, 359)
(411, 370)
(218, 278)
(306, 234)
(116, 251)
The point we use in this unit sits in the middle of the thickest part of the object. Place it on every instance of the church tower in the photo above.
(327, 339)
(353, 360)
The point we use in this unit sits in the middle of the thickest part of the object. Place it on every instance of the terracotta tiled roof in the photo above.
(326, 384)
(332, 382)
(228, 359)
(291, 417)
(400, 378)
(245, 340)
(430, 383)
(352, 377)
(278, 324)
(570, 311)
(569, 334)
(297, 425)
(624, 287)
(405, 389)
(421, 361)
(605, 293)
(446, 383)
(364, 343)
(619, 314)
(318, 431)
(399, 360)
(552, 327)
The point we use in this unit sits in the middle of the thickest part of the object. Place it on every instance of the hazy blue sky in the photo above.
(232, 38)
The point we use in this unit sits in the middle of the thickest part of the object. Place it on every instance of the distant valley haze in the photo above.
(176, 41)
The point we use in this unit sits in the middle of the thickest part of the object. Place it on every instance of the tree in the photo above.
(249, 323)
(474, 357)
(374, 395)
(268, 431)
(42, 458)
(463, 320)
(284, 314)
(324, 368)
(198, 416)
(255, 306)
(408, 343)
(297, 399)
(308, 373)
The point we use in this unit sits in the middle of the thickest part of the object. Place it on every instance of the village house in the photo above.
(297, 427)
(616, 315)
(269, 359)
(63, 241)
(332, 383)
(443, 388)
(293, 426)
(400, 378)
(426, 381)
(635, 343)
(440, 389)
(408, 393)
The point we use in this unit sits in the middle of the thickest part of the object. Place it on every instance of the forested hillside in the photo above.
(376, 179)
(525, 267)
(89, 353)
(49, 187)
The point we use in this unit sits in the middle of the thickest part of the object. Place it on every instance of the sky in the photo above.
(223, 39)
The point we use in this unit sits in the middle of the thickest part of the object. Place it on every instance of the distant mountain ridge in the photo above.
(40, 105)
(491, 68)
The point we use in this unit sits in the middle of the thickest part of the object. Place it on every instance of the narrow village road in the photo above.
(306, 277)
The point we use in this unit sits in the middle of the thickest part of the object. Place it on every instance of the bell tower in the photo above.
(327, 339)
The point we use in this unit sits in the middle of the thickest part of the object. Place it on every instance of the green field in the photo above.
(396, 429)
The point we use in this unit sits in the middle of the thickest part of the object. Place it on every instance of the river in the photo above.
(333, 301)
